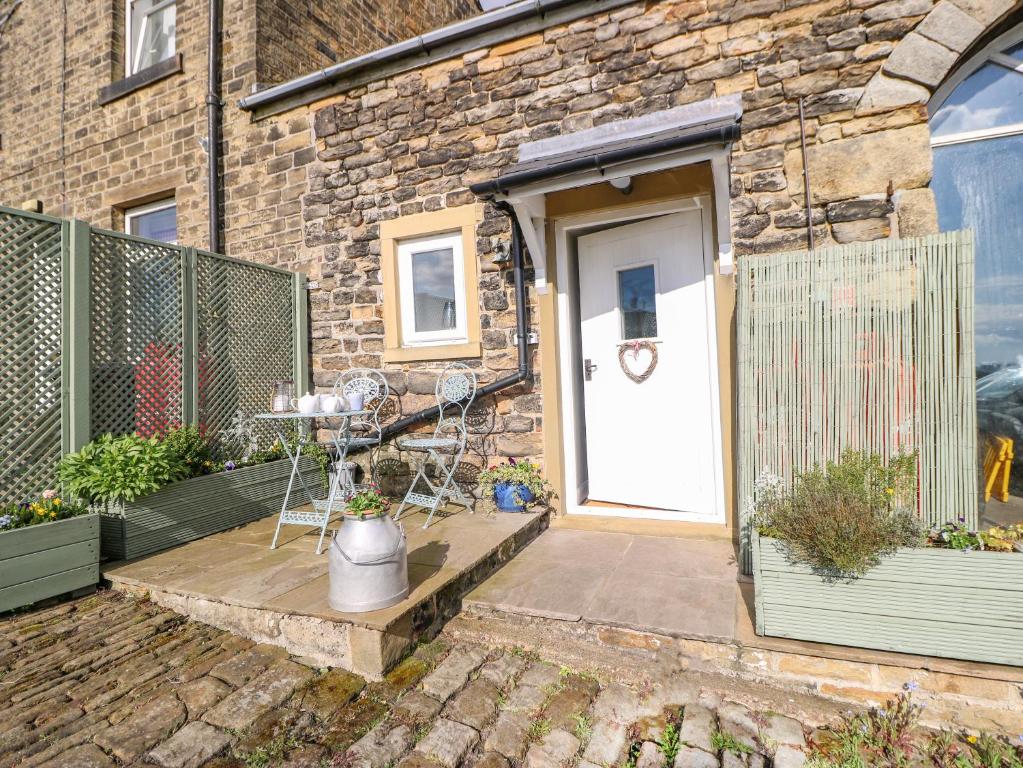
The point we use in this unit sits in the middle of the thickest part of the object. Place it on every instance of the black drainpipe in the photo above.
(214, 111)
(524, 372)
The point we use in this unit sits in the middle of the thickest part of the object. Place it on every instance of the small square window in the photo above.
(156, 221)
(431, 277)
(637, 301)
(152, 29)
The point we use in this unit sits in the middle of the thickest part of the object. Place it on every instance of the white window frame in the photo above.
(410, 337)
(132, 52)
(991, 53)
(131, 214)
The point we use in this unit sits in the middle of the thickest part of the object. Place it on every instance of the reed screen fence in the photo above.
(866, 346)
(107, 332)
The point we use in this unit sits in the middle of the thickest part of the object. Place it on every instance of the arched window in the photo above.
(977, 137)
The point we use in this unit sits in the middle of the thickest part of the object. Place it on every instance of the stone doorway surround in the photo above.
(634, 603)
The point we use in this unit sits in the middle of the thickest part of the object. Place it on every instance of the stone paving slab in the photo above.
(135, 685)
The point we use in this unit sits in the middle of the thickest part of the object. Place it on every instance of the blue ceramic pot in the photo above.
(512, 497)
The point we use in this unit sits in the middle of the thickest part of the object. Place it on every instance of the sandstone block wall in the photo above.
(315, 182)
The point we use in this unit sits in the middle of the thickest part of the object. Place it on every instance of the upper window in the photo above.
(156, 221)
(431, 271)
(151, 26)
(977, 138)
(431, 285)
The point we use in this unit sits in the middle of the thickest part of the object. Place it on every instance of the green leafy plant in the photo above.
(47, 509)
(516, 473)
(957, 536)
(114, 469)
(726, 742)
(367, 503)
(891, 737)
(192, 448)
(670, 742)
(538, 729)
(843, 518)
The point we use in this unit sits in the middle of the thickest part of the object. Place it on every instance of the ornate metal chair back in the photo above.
(372, 385)
(455, 391)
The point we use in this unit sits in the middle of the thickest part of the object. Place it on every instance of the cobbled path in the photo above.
(108, 680)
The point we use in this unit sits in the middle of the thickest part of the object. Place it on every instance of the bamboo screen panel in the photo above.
(245, 325)
(30, 348)
(136, 335)
(866, 346)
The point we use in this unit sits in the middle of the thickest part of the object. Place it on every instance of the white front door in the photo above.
(655, 443)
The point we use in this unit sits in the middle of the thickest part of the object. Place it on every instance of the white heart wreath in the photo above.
(635, 347)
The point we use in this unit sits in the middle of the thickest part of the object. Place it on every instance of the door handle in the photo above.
(588, 368)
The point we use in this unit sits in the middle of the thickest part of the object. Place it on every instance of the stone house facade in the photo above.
(80, 139)
(320, 172)
(412, 136)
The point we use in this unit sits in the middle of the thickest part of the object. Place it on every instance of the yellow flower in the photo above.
(972, 739)
(53, 515)
(56, 502)
(890, 491)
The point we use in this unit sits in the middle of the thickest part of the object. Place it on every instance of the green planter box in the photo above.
(47, 560)
(201, 506)
(932, 602)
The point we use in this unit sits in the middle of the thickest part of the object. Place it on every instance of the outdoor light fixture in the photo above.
(501, 255)
(623, 184)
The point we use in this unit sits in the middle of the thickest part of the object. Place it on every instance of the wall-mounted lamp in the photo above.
(623, 184)
(501, 255)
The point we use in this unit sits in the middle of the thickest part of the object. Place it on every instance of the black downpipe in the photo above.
(521, 326)
(214, 115)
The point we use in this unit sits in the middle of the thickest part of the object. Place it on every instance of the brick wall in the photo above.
(416, 141)
(329, 31)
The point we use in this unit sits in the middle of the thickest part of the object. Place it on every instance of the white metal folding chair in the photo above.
(365, 431)
(455, 391)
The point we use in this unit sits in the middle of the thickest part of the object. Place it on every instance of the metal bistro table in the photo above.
(322, 509)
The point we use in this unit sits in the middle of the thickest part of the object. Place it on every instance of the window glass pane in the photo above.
(433, 288)
(978, 185)
(157, 31)
(637, 297)
(156, 225)
(1016, 51)
(990, 97)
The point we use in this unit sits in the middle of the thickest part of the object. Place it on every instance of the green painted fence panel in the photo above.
(31, 353)
(47, 560)
(108, 332)
(866, 346)
(933, 602)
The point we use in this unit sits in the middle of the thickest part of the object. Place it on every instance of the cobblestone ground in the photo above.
(108, 680)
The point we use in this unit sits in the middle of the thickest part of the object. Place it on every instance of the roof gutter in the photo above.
(502, 185)
(490, 28)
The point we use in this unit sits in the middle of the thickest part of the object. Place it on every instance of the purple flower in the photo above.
(5, 521)
(512, 462)
(229, 466)
(962, 518)
(912, 685)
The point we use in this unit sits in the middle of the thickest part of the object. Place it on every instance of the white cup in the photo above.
(355, 401)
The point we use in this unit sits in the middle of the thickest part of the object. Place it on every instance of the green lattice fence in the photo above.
(106, 332)
(866, 346)
(245, 330)
(31, 350)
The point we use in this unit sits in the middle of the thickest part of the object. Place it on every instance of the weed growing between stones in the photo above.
(670, 742)
(726, 742)
(891, 737)
(538, 729)
(269, 754)
(583, 727)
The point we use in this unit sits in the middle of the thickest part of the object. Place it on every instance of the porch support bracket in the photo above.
(531, 213)
(721, 173)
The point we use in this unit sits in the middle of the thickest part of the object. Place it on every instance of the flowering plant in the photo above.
(957, 536)
(47, 509)
(515, 473)
(368, 502)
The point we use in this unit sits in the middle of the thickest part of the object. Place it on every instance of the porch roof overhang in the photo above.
(700, 132)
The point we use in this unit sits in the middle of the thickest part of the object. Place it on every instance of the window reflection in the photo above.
(637, 298)
(977, 184)
(433, 286)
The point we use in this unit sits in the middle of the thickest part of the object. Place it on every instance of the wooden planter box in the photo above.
(932, 602)
(201, 506)
(47, 560)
